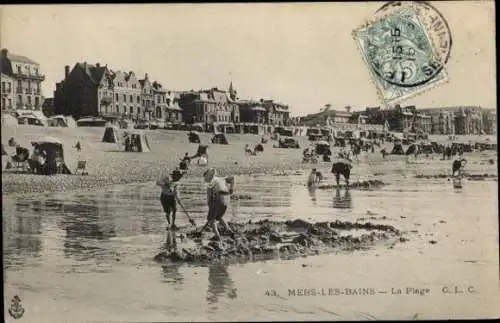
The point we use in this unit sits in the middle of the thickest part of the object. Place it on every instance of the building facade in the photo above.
(173, 110)
(147, 98)
(23, 76)
(277, 114)
(78, 93)
(422, 122)
(160, 101)
(208, 107)
(8, 95)
(95, 90)
(252, 111)
(120, 95)
(469, 121)
(490, 122)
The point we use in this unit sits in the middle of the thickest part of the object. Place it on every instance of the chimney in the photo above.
(98, 65)
(146, 76)
(66, 71)
(4, 52)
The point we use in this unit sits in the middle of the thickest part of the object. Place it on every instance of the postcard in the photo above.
(249, 162)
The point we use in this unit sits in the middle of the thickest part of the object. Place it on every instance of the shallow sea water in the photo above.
(88, 256)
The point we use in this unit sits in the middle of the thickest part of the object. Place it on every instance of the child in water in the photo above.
(168, 198)
(218, 197)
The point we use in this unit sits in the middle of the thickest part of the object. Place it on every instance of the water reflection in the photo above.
(87, 228)
(171, 271)
(342, 202)
(22, 232)
(220, 284)
(312, 194)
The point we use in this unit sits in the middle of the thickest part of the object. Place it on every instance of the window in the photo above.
(37, 101)
(117, 108)
(36, 70)
(138, 99)
(18, 69)
(29, 100)
(138, 110)
(3, 103)
(116, 96)
(10, 103)
(29, 85)
(131, 110)
(20, 98)
(124, 98)
(3, 86)
(19, 84)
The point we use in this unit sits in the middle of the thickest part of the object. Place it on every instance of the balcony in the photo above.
(31, 76)
(19, 90)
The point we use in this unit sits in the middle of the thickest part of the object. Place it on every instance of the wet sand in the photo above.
(90, 255)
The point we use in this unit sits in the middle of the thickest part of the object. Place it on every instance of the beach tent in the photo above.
(9, 120)
(55, 162)
(110, 135)
(139, 142)
(397, 149)
(220, 138)
(194, 137)
(413, 148)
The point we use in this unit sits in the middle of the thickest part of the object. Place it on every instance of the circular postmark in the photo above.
(437, 27)
(409, 45)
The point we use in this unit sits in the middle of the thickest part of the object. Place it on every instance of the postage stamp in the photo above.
(406, 47)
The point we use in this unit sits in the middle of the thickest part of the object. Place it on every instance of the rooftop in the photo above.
(17, 58)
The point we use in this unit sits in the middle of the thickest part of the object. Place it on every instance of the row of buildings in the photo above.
(97, 90)
(462, 120)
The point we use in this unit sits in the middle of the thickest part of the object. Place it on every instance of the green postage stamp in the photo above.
(406, 47)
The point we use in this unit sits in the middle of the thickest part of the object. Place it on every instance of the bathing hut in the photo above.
(110, 135)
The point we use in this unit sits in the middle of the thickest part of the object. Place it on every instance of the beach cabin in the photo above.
(61, 121)
(91, 122)
(35, 118)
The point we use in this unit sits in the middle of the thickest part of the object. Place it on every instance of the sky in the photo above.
(303, 55)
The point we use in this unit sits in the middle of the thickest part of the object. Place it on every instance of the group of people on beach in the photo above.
(219, 190)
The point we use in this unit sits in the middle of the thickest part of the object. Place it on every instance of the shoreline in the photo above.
(108, 164)
(74, 183)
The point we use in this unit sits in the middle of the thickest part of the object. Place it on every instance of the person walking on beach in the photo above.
(218, 197)
(78, 147)
(168, 198)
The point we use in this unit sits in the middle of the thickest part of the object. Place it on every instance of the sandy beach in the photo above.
(108, 164)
